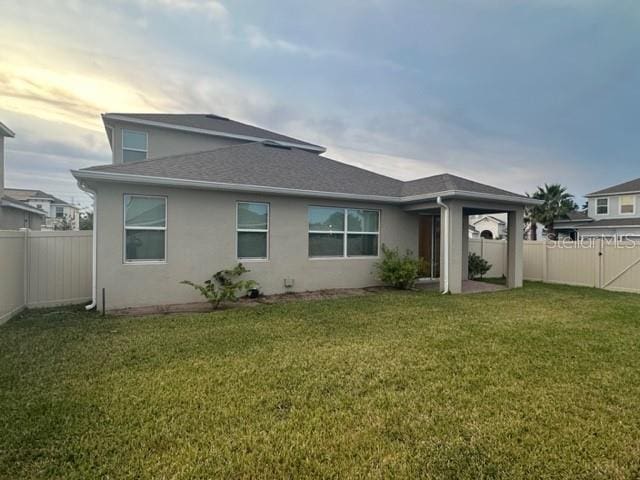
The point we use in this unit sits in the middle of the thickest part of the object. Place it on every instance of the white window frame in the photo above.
(633, 204)
(125, 228)
(344, 232)
(146, 149)
(608, 205)
(62, 215)
(253, 230)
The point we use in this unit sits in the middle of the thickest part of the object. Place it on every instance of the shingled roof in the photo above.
(263, 164)
(23, 194)
(632, 186)
(213, 124)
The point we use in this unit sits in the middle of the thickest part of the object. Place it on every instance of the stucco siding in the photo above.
(201, 239)
(163, 142)
(614, 208)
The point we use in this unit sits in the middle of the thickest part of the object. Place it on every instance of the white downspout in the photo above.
(445, 228)
(94, 253)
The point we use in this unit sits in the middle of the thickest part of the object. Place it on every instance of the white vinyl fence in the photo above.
(494, 252)
(599, 263)
(40, 269)
(595, 263)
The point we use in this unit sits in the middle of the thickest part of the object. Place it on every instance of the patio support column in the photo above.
(455, 246)
(514, 248)
(465, 247)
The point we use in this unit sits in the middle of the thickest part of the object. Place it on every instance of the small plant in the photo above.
(399, 271)
(478, 266)
(224, 286)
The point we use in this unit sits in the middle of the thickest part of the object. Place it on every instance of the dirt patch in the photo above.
(248, 302)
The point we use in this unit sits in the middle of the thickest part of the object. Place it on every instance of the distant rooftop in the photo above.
(632, 186)
(212, 124)
(6, 131)
(24, 194)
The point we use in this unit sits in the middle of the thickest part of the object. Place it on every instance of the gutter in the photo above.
(609, 194)
(94, 241)
(445, 228)
(208, 185)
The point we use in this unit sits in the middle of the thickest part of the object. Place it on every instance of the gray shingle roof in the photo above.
(261, 164)
(574, 216)
(213, 123)
(446, 182)
(23, 194)
(21, 205)
(630, 186)
(612, 222)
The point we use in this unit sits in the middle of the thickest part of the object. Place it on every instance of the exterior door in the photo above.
(429, 245)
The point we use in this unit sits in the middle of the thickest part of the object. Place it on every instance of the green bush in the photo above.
(478, 266)
(224, 286)
(399, 271)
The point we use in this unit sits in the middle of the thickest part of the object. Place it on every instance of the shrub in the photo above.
(223, 285)
(478, 266)
(399, 271)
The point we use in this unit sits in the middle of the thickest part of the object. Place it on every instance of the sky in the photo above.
(513, 93)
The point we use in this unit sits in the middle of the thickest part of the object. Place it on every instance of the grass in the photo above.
(543, 382)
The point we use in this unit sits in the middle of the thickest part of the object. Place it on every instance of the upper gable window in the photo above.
(627, 204)
(134, 146)
(602, 206)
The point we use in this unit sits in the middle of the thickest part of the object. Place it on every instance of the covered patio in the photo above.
(444, 238)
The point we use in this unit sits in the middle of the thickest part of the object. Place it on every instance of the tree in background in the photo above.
(62, 223)
(557, 203)
(86, 221)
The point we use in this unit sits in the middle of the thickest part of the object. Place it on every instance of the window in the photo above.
(343, 232)
(145, 225)
(627, 204)
(602, 206)
(252, 229)
(39, 205)
(134, 146)
(59, 212)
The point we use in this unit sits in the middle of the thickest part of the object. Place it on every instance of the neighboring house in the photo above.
(58, 211)
(226, 192)
(611, 212)
(566, 227)
(473, 232)
(15, 214)
(490, 227)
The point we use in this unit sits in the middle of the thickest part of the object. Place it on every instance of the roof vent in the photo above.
(215, 117)
(274, 144)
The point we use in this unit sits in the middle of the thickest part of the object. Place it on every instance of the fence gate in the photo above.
(599, 263)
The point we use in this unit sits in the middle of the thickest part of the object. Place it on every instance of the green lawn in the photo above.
(543, 382)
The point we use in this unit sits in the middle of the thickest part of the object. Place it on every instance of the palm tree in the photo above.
(557, 202)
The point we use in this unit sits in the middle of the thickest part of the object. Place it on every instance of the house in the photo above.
(566, 226)
(14, 213)
(489, 226)
(188, 195)
(60, 214)
(611, 212)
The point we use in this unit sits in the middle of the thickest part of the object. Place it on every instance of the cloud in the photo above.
(212, 9)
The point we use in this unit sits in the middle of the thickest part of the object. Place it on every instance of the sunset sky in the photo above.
(507, 92)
